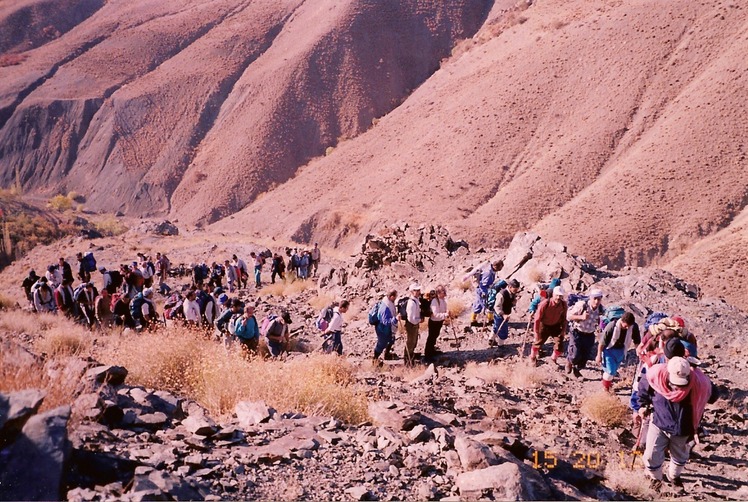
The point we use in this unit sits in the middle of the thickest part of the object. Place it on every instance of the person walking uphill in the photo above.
(676, 394)
(585, 318)
(550, 321)
(439, 316)
(485, 281)
(277, 334)
(386, 325)
(412, 321)
(258, 261)
(247, 330)
(505, 302)
(615, 341)
(335, 328)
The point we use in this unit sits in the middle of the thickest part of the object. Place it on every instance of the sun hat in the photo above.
(678, 371)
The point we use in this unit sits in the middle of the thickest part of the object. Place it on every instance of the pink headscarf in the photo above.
(698, 386)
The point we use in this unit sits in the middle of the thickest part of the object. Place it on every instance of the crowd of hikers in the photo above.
(668, 394)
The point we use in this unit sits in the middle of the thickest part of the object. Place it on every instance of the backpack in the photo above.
(77, 292)
(652, 319)
(175, 312)
(324, 317)
(116, 278)
(89, 262)
(402, 307)
(425, 308)
(231, 325)
(374, 314)
(267, 324)
(493, 292)
(612, 313)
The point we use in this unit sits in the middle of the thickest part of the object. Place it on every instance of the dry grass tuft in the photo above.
(456, 307)
(535, 275)
(286, 288)
(605, 409)
(16, 375)
(630, 483)
(60, 341)
(110, 226)
(517, 375)
(488, 372)
(320, 301)
(183, 362)
(6, 302)
(462, 285)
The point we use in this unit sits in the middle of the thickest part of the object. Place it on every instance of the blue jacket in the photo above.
(386, 320)
(246, 331)
(673, 418)
(487, 279)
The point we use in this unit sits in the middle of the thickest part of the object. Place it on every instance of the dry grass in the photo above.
(19, 321)
(535, 275)
(58, 342)
(218, 378)
(60, 203)
(320, 301)
(456, 307)
(462, 285)
(15, 377)
(605, 409)
(517, 375)
(6, 302)
(286, 288)
(622, 479)
(110, 226)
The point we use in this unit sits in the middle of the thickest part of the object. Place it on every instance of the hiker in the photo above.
(675, 394)
(293, 262)
(142, 310)
(258, 261)
(315, 256)
(85, 297)
(485, 278)
(134, 280)
(232, 276)
(304, 261)
(191, 308)
(615, 341)
(247, 331)
(27, 284)
(121, 311)
(277, 334)
(44, 300)
(147, 270)
(386, 326)
(505, 302)
(439, 316)
(585, 318)
(54, 276)
(687, 337)
(83, 274)
(64, 298)
(198, 274)
(103, 309)
(223, 320)
(162, 273)
(335, 328)
(216, 275)
(550, 321)
(242, 271)
(412, 320)
(277, 268)
(65, 269)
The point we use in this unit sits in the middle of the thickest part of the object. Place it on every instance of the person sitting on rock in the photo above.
(247, 331)
(44, 300)
(550, 321)
(277, 335)
(439, 316)
(143, 311)
(485, 278)
(386, 326)
(585, 318)
(335, 329)
(675, 394)
(505, 302)
(615, 341)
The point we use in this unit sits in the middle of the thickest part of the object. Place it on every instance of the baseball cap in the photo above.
(674, 348)
(559, 291)
(596, 293)
(678, 371)
(415, 287)
(223, 298)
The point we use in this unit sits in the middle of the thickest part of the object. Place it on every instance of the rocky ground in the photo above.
(478, 423)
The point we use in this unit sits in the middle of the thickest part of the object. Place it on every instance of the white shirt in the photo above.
(191, 310)
(439, 309)
(336, 323)
(413, 310)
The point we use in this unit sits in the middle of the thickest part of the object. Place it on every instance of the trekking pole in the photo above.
(524, 337)
(454, 334)
(638, 442)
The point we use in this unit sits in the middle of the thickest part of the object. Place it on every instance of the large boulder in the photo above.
(507, 481)
(15, 409)
(36, 461)
(474, 454)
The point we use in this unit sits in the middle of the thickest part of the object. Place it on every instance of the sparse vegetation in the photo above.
(536, 275)
(320, 301)
(60, 203)
(6, 302)
(518, 375)
(605, 409)
(456, 307)
(628, 482)
(285, 288)
(110, 226)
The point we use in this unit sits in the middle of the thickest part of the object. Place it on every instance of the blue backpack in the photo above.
(612, 313)
(374, 314)
(652, 319)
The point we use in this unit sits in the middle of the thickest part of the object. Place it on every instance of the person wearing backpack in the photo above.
(277, 334)
(223, 320)
(585, 317)
(550, 322)
(142, 309)
(412, 320)
(27, 284)
(277, 267)
(615, 341)
(438, 316)
(247, 330)
(64, 298)
(485, 278)
(44, 300)
(335, 328)
(385, 327)
(675, 395)
(83, 274)
(506, 299)
(258, 262)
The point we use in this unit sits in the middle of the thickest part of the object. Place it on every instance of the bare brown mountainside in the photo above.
(616, 127)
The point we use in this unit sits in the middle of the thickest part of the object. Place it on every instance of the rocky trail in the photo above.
(479, 423)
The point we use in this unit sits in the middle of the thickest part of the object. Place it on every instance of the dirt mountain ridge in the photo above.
(615, 127)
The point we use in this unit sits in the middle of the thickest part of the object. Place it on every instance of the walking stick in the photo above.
(638, 442)
(524, 337)
(454, 334)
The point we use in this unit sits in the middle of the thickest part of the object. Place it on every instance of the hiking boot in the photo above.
(492, 342)
(655, 484)
(576, 372)
(377, 363)
(676, 481)
(568, 367)
(391, 356)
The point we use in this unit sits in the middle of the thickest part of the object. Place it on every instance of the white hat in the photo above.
(678, 370)
(559, 291)
(415, 287)
(596, 293)
(147, 292)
